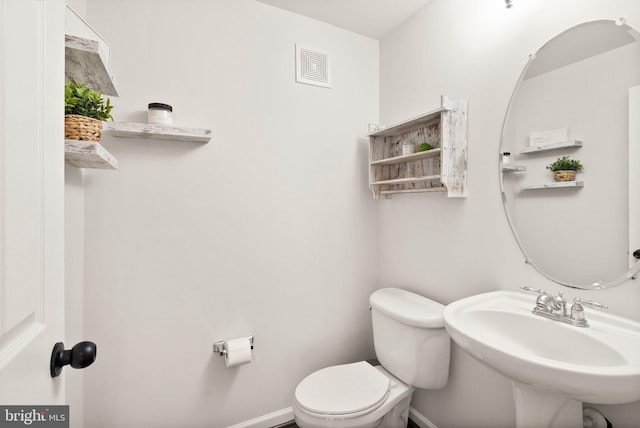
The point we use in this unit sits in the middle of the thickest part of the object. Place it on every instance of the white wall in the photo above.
(449, 249)
(268, 230)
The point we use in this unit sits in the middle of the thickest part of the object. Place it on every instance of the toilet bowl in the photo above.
(413, 349)
(352, 395)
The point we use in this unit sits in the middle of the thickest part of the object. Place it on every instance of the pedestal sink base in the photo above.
(542, 408)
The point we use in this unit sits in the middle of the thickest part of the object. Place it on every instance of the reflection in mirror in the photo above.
(578, 97)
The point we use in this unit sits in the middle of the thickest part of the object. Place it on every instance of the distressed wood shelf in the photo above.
(428, 189)
(86, 63)
(565, 145)
(441, 169)
(555, 185)
(87, 55)
(157, 132)
(407, 125)
(86, 154)
(408, 158)
(421, 179)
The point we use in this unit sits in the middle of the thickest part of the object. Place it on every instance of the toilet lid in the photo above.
(343, 389)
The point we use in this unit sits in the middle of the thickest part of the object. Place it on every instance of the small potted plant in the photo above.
(565, 168)
(84, 111)
(424, 147)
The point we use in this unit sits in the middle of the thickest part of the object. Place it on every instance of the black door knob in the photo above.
(636, 254)
(80, 356)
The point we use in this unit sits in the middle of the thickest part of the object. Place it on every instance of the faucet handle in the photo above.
(560, 298)
(535, 290)
(561, 302)
(589, 303)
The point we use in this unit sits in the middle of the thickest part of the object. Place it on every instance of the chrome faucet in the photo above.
(555, 308)
(546, 303)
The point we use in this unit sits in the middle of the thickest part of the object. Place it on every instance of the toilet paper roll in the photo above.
(238, 351)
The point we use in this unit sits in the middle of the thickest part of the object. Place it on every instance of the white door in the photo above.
(31, 199)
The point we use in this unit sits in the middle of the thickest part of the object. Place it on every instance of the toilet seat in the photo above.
(346, 390)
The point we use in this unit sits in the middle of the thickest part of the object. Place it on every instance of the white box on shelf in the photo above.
(550, 136)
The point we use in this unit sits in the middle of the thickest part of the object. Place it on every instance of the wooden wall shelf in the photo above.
(87, 154)
(408, 158)
(87, 55)
(554, 185)
(573, 144)
(443, 168)
(514, 168)
(158, 132)
(565, 145)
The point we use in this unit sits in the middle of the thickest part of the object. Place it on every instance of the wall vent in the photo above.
(312, 67)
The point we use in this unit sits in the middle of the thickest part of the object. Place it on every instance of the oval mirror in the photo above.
(578, 99)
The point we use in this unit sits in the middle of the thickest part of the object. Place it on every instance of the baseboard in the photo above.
(267, 421)
(420, 420)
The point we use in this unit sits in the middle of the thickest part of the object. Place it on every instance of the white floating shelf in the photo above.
(157, 132)
(514, 168)
(87, 154)
(555, 185)
(565, 145)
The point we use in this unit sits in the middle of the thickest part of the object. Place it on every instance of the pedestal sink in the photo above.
(554, 366)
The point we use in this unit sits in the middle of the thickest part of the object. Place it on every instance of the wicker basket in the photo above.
(564, 175)
(83, 128)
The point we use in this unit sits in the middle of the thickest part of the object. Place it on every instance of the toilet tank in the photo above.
(409, 337)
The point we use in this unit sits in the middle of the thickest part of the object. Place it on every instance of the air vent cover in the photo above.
(312, 67)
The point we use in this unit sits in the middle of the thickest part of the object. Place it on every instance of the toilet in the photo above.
(412, 347)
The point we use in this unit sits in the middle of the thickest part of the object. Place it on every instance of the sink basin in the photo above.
(596, 364)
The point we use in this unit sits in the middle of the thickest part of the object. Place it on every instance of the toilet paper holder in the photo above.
(219, 346)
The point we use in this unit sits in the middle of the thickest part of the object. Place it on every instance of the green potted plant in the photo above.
(565, 168)
(424, 147)
(84, 111)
